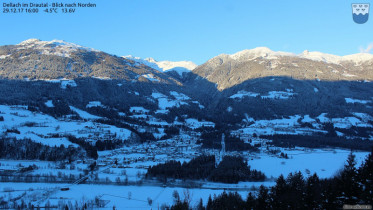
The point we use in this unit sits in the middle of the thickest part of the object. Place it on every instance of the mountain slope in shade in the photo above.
(178, 66)
(44, 60)
(229, 70)
(236, 90)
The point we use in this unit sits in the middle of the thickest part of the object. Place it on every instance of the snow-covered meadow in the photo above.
(325, 162)
(42, 128)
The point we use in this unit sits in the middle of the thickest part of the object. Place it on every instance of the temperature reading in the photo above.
(51, 10)
(68, 10)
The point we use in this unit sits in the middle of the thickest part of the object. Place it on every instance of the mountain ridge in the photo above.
(254, 62)
(164, 66)
(229, 70)
(265, 52)
(34, 59)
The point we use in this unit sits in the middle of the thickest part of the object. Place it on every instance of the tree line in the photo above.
(87, 146)
(230, 170)
(352, 185)
(319, 141)
(11, 148)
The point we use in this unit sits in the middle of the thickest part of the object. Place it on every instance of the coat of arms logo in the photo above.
(360, 13)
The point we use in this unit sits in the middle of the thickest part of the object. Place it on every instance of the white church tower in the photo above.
(219, 156)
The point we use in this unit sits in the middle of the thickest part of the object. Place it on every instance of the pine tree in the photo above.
(176, 196)
(329, 194)
(279, 193)
(209, 203)
(200, 205)
(180, 205)
(296, 188)
(313, 191)
(263, 198)
(250, 201)
(366, 179)
(349, 189)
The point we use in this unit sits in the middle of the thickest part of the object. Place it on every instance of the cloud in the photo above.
(367, 49)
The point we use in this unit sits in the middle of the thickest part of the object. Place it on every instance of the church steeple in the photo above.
(220, 156)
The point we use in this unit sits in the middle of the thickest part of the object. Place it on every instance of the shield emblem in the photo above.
(360, 13)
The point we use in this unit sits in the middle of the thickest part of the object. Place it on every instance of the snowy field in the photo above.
(41, 127)
(270, 95)
(292, 124)
(325, 163)
(122, 197)
(133, 160)
(174, 100)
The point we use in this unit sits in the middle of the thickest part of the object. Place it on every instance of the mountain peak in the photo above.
(259, 52)
(54, 47)
(319, 56)
(266, 53)
(34, 41)
(262, 49)
(305, 52)
(163, 66)
(29, 41)
(152, 60)
(335, 59)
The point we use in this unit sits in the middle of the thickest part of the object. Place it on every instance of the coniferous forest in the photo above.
(11, 148)
(353, 185)
(230, 170)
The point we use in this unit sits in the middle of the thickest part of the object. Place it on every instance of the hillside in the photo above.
(229, 70)
(243, 92)
(47, 60)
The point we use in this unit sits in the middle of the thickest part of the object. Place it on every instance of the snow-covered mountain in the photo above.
(229, 70)
(256, 91)
(329, 58)
(179, 66)
(54, 47)
(34, 59)
(259, 52)
(266, 53)
(66, 106)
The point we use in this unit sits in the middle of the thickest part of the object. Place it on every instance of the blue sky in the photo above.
(197, 30)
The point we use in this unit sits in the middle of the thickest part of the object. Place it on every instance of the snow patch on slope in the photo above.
(139, 110)
(64, 82)
(353, 101)
(41, 128)
(4, 56)
(150, 77)
(49, 103)
(84, 114)
(292, 124)
(176, 100)
(194, 123)
(94, 104)
(271, 95)
(240, 94)
(279, 94)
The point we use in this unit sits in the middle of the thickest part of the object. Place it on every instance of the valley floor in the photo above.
(122, 197)
(119, 179)
(147, 194)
